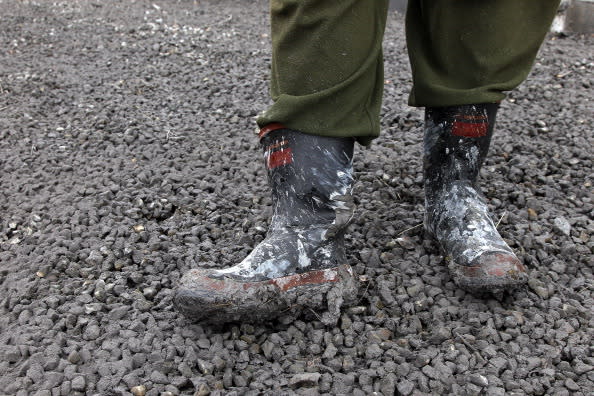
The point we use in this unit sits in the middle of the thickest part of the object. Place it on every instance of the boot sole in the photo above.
(203, 298)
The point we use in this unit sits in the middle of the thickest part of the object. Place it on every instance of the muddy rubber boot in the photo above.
(456, 214)
(301, 264)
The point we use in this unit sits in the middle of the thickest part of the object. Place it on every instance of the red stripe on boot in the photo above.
(279, 158)
(269, 128)
(469, 129)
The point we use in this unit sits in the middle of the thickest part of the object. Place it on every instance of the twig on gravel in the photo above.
(563, 74)
(228, 19)
(364, 293)
(170, 136)
(316, 314)
(411, 228)
(473, 349)
(468, 345)
(501, 218)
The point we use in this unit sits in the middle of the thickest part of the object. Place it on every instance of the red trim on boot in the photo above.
(279, 158)
(471, 130)
(470, 126)
(315, 277)
(269, 128)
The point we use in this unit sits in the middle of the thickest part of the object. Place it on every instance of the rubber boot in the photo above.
(456, 142)
(301, 264)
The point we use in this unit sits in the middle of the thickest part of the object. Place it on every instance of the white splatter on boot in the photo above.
(301, 263)
(456, 215)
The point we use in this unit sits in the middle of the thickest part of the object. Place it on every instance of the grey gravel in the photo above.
(128, 157)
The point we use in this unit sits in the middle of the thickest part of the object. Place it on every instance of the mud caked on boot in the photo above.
(456, 142)
(301, 263)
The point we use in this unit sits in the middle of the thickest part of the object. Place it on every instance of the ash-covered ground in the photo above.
(127, 156)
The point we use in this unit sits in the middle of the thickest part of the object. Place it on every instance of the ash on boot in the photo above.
(301, 262)
(456, 142)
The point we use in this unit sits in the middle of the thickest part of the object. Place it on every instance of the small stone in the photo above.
(138, 390)
(558, 267)
(421, 360)
(430, 372)
(99, 292)
(53, 379)
(138, 228)
(538, 287)
(405, 387)
(439, 335)
(582, 368)
(205, 367)
(203, 390)
(35, 372)
(479, 380)
(78, 383)
(373, 351)
(388, 384)
(330, 352)
(571, 385)
(510, 322)
(12, 354)
(495, 391)
(93, 308)
(92, 332)
(239, 381)
(94, 257)
(74, 357)
(267, 348)
(220, 363)
(149, 292)
(159, 378)
(379, 335)
(348, 363)
(304, 380)
(406, 243)
(358, 310)
(562, 225)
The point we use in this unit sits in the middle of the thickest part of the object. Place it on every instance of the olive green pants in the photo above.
(327, 63)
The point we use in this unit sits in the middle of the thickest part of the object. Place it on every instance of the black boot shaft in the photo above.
(311, 178)
(311, 182)
(456, 143)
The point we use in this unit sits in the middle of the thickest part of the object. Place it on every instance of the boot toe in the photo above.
(490, 272)
(203, 298)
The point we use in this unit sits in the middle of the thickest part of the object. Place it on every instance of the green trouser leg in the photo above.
(327, 66)
(471, 51)
(327, 70)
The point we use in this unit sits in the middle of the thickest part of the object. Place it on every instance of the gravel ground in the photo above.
(128, 157)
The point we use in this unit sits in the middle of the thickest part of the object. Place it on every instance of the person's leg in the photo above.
(468, 52)
(326, 86)
(327, 66)
(464, 55)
